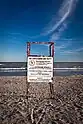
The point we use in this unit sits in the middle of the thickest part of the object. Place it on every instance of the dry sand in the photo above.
(65, 108)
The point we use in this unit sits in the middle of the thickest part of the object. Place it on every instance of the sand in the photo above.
(65, 108)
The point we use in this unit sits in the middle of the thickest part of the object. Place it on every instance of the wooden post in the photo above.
(51, 90)
(27, 83)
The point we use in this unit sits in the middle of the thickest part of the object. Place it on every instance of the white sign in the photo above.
(40, 69)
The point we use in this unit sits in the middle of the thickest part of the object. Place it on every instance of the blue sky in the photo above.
(60, 21)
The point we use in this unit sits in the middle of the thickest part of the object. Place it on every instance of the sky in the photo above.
(60, 21)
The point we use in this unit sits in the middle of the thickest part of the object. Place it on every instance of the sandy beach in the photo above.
(65, 108)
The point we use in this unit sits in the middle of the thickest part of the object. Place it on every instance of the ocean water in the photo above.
(57, 72)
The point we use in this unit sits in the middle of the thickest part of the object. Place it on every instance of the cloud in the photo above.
(59, 22)
(62, 47)
(56, 36)
(22, 35)
(79, 49)
(74, 51)
(61, 19)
